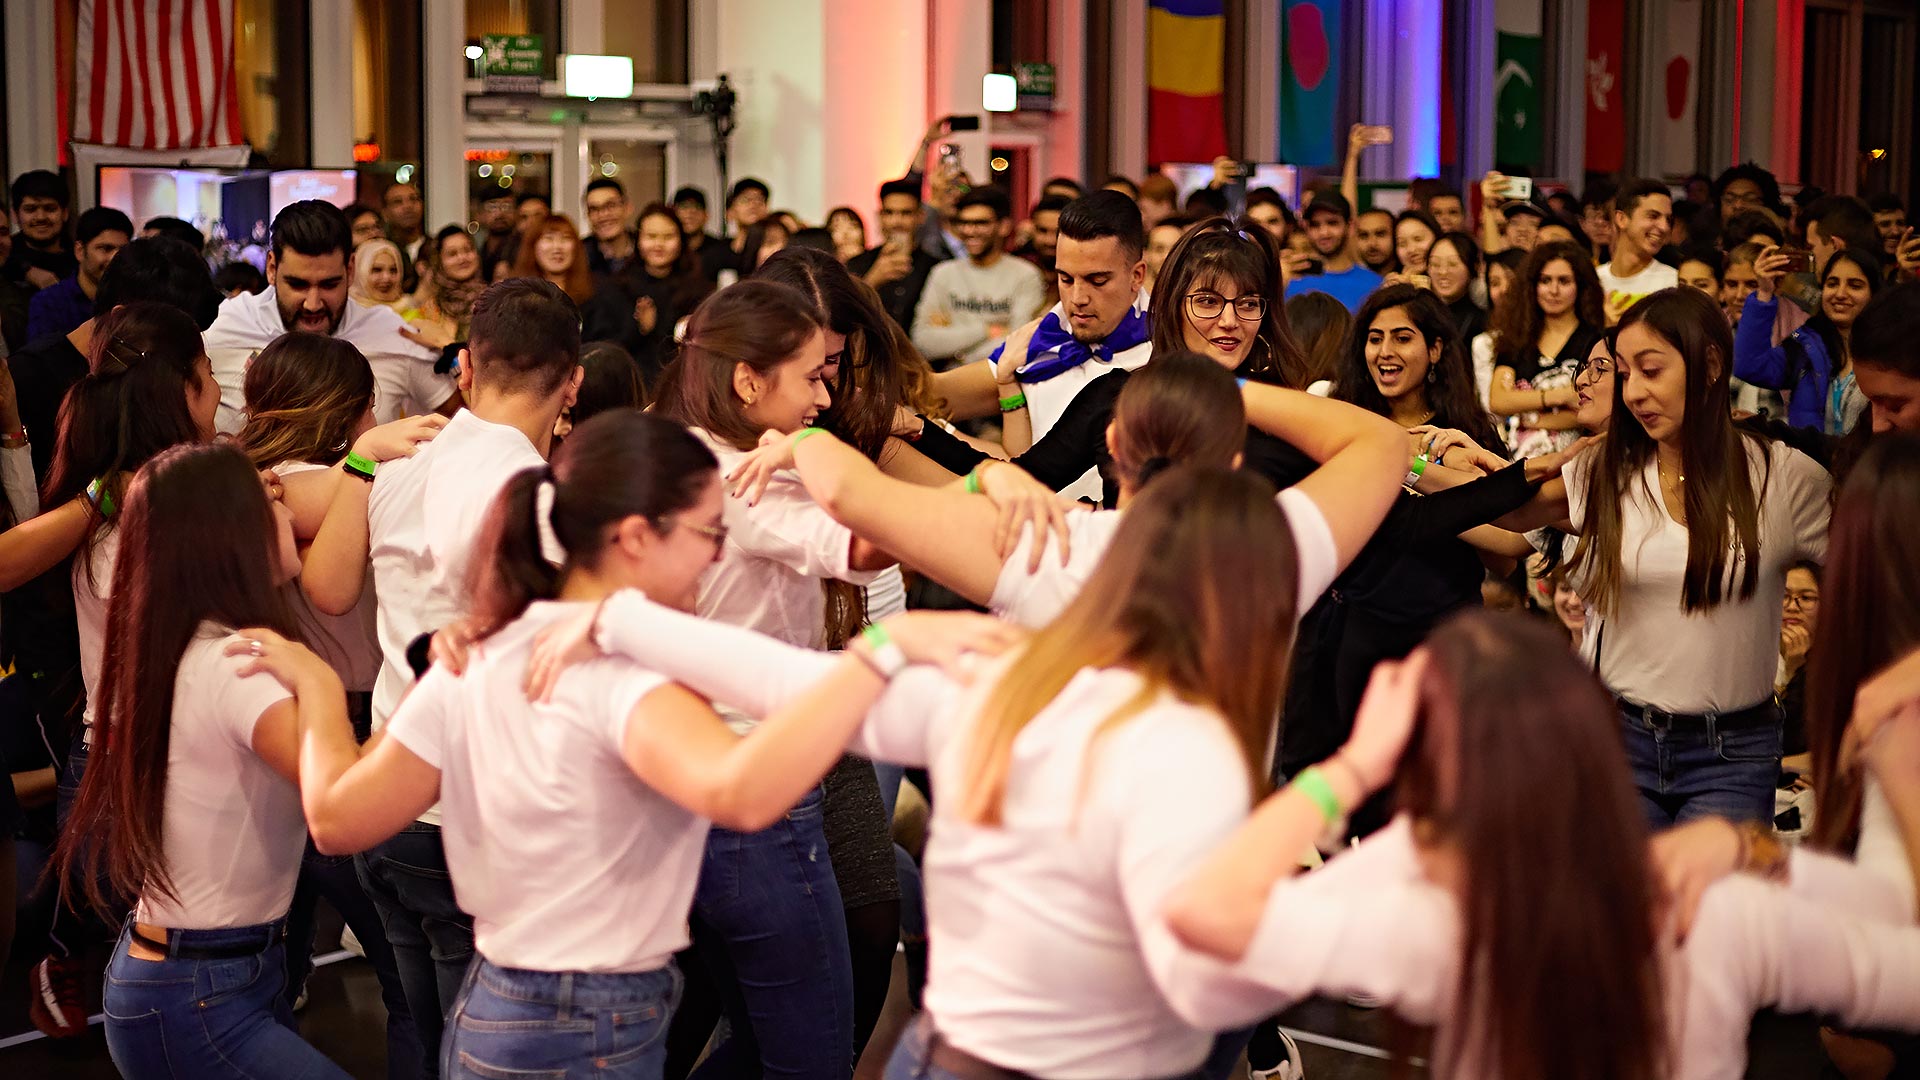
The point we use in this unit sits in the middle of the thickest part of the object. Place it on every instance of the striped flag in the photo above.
(1186, 80)
(156, 74)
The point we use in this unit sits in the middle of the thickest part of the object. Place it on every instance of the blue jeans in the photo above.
(432, 939)
(909, 1060)
(214, 1019)
(334, 878)
(74, 924)
(773, 937)
(560, 1025)
(1683, 775)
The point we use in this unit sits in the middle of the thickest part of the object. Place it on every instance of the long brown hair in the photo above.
(1244, 253)
(1723, 506)
(1559, 971)
(1869, 617)
(579, 283)
(619, 464)
(1449, 388)
(131, 404)
(305, 395)
(880, 371)
(198, 543)
(1518, 323)
(1182, 407)
(757, 323)
(1195, 595)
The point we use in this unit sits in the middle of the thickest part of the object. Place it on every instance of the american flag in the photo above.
(156, 74)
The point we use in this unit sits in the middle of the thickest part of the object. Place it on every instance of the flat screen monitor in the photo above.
(228, 205)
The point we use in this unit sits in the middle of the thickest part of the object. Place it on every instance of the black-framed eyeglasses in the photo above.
(1206, 305)
(1800, 600)
(975, 223)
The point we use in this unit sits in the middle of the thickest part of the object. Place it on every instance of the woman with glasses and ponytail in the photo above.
(576, 826)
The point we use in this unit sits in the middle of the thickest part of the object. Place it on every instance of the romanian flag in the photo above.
(1186, 80)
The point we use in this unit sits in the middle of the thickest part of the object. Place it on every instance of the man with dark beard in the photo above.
(309, 269)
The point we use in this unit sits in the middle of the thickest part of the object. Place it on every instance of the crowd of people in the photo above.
(1264, 597)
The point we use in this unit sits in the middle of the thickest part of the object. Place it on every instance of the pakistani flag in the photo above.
(1519, 117)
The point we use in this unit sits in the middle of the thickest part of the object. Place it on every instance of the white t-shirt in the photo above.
(778, 551)
(92, 588)
(233, 830)
(424, 515)
(1721, 659)
(567, 861)
(1371, 923)
(1651, 279)
(1047, 401)
(346, 642)
(1034, 600)
(404, 380)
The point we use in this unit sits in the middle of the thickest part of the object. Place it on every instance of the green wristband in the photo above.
(1420, 465)
(1313, 784)
(101, 498)
(973, 481)
(1013, 402)
(356, 465)
(802, 435)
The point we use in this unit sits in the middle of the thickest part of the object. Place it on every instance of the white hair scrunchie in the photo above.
(550, 547)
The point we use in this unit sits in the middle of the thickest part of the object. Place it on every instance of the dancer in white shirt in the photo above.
(1514, 789)
(574, 828)
(1083, 777)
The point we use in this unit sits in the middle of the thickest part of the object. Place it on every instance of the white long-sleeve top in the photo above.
(1371, 922)
(1050, 956)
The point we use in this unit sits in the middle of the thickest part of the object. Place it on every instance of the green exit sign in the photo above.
(1034, 83)
(512, 63)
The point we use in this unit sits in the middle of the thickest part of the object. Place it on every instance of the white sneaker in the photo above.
(351, 943)
(1290, 1069)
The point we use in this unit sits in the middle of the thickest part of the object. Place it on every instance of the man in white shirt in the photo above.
(310, 268)
(1642, 214)
(1099, 325)
(970, 304)
(418, 520)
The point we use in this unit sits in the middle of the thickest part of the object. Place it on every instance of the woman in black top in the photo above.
(1543, 333)
(666, 284)
(1217, 295)
(1453, 264)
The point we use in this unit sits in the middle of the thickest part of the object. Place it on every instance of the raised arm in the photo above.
(1362, 456)
(335, 569)
(968, 388)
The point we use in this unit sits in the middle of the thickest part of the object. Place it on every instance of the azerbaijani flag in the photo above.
(1186, 80)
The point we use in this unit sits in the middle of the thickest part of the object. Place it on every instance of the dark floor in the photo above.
(344, 1019)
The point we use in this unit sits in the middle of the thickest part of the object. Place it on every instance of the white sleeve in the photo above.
(428, 389)
(622, 692)
(757, 674)
(899, 728)
(241, 700)
(420, 723)
(1876, 884)
(1316, 558)
(1809, 491)
(787, 527)
(1365, 923)
(16, 474)
(728, 664)
(1755, 946)
(1574, 474)
(1175, 795)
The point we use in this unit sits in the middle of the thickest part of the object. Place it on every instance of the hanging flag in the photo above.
(1186, 80)
(1309, 82)
(1518, 117)
(1606, 105)
(1677, 74)
(155, 74)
